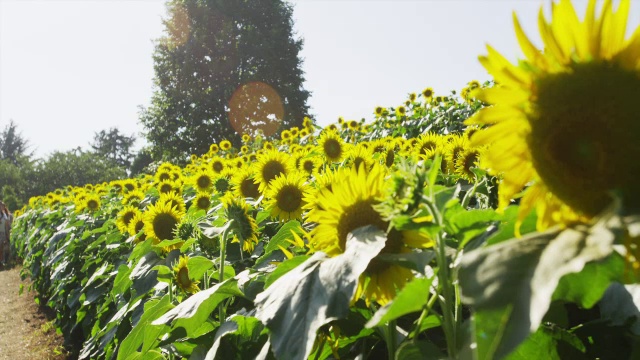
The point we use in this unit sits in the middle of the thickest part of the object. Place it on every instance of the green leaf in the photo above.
(247, 328)
(198, 266)
(281, 238)
(315, 293)
(415, 260)
(419, 350)
(506, 229)
(466, 225)
(284, 268)
(513, 282)
(586, 287)
(152, 309)
(193, 312)
(543, 344)
(410, 299)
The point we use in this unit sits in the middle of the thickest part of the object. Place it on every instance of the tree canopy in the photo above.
(114, 146)
(13, 145)
(222, 69)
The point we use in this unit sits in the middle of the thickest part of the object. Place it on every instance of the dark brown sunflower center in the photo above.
(470, 160)
(204, 182)
(584, 131)
(332, 148)
(249, 188)
(203, 203)
(164, 176)
(222, 185)
(217, 166)
(362, 214)
(272, 169)
(426, 146)
(92, 204)
(165, 188)
(289, 198)
(308, 166)
(127, 217)
(163, 225)
(183, 277)
(139, 226)
(129, 186)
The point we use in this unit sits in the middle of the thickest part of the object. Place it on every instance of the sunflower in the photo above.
(217, 164)
(401, 111)
(246, 138)
(225, 145)
(564, 120)
(244, 225)
(349, 205)
(160, 220)
(378, 111)
(213, 149)
(307, 122)
(129, 185)
(202, 201)
(222, 182)
(89, 202)
(309, 163)
(353, 125)
(285, 196)
(270, 165)
(427, 94)
(202, 181)
(285, 135)
(456, 144)
(428, 141)
(124, 217)
(181, 276)
(244, 186)
(174, 200)
(136, 225)
(360, 154)
(332, 146)
(467, 159)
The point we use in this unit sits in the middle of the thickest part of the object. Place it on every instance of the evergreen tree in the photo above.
(115, 146)
(212, 50)
(13, 145)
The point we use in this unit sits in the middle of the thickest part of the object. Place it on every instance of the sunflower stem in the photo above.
(223, 250)
(390, 335)
(425, 311)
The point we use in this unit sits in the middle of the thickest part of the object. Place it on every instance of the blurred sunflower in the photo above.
(174, 200)
(225, 145)
(269, 166)
(246, 138)
(427, 94)
(202, 181)
(456, 144)
(213, 149)
(217, 164)
(564, 120)
(221, 182)
(124, 217)
(351, 204)
(160, 220)
(467, 159)
(332, 146)
(202, 201)
(243, 184)
(428, 141)
(360, 154)
(90, 203)
(181, 276)
(285, 196)
(136, 225)
(244, 225)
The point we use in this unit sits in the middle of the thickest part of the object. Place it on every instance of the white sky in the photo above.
(71, 68)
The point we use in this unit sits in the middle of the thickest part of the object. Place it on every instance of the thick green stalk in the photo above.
(223, 251)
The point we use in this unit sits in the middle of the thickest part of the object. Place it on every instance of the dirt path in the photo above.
(25, 332)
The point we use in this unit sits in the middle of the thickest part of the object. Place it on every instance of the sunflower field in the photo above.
(503, 222)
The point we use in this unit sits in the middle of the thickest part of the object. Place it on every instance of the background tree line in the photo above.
(110, 156)
(212, 51)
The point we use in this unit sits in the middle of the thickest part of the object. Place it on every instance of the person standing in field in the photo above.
(5, 231)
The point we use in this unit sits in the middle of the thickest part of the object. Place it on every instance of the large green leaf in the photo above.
(411, 299)
(512, 283)
(315, 293)
(152, 310)
(193, 312)
(281, 238)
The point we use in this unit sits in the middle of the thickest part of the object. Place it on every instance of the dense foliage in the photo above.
(354, 246)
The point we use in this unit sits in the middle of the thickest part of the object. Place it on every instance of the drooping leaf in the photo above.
(316, 292)
(193, 312)
(620, 305)
(512, 283)
(134, 340)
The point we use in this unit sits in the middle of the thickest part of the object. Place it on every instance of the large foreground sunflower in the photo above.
(351, 204)
(565, 120)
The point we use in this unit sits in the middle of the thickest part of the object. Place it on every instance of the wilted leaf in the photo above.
(620, 305)
(315, 293)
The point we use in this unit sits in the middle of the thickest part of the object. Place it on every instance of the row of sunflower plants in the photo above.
(290, 248)
(495, 225)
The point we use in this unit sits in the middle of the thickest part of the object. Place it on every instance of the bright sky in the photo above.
(71, 68)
